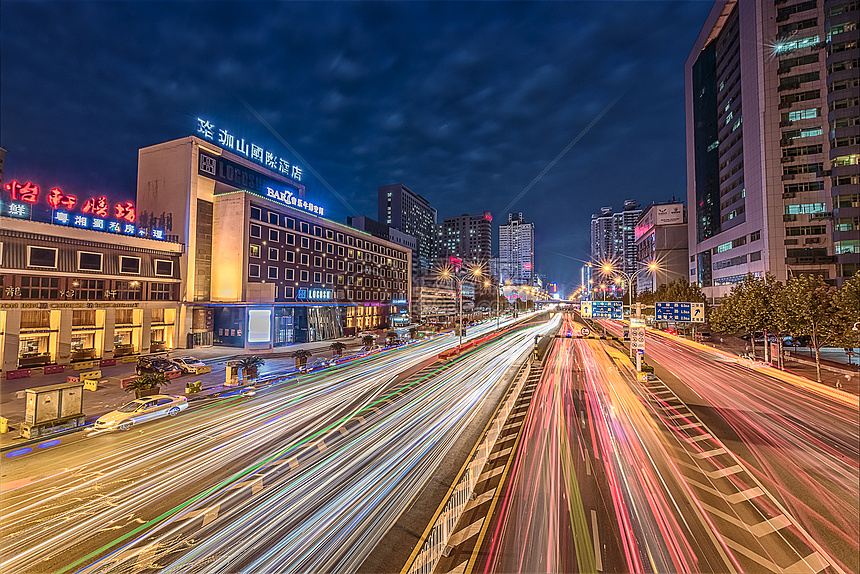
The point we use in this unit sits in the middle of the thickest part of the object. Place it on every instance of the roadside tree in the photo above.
(805, 307)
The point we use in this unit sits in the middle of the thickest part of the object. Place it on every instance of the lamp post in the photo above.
(447, 273)
(610, 270)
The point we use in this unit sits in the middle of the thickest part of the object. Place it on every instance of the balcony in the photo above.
(788, 177)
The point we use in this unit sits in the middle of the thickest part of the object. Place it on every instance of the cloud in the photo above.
(463, 102)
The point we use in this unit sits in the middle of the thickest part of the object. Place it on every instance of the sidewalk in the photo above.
(110, 395)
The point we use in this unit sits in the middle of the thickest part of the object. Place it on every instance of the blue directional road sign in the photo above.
(606, 309)
(682, 312)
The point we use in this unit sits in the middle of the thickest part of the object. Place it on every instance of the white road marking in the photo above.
(598, 557)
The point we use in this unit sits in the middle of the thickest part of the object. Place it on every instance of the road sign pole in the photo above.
(638, 363)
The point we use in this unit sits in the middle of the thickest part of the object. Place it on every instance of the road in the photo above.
(616, 475)
(306, 476)
(802, 445)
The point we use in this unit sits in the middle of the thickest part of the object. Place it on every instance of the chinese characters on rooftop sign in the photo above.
(93, 213)
(227, 140)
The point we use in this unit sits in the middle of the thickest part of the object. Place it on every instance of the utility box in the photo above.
(53, 408)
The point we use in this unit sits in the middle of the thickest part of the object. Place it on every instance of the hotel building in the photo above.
(263, 262)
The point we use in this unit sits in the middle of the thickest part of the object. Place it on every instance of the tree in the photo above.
(750, 307)
(368, 340)
(806, 307)
(301, 357)
(337, 347)
(412, 332)
(251, 365)
(145, 383)
(391, 336)
(846, 313)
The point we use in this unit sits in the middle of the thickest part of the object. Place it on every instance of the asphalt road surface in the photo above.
(306, 476)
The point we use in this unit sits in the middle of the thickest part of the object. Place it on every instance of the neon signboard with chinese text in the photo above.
(225, 139)
(286, 197)
(59, 208)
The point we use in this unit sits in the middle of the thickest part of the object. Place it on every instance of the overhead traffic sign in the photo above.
(684, 312)
(606, 309)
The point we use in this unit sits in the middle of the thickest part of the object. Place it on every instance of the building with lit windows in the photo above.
(516, 251)
(468, 238)
(71, 293)
(772, 142)
(661, 238)
(265, 267)
(403, 209)
(613, 236)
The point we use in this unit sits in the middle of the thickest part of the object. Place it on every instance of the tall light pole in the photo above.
(447, 273)
(610, 270)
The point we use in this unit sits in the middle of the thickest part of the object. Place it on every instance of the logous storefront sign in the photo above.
(315, 294)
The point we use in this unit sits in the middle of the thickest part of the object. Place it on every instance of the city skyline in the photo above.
(439, 115)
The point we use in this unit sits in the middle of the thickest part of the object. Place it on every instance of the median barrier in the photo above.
(82, 365)
(18, 374)
(123, 383)
(4, 425)
(91, 384)
(193, 387)
(203, 370)
(107, 362)
(51, 369)
(129, 359)
(88, 375)
(173, 374)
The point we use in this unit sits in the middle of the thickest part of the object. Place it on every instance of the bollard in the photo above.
(4, 425)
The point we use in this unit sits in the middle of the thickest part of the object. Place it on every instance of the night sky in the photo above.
(464, 103)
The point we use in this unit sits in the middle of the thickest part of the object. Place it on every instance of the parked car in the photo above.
(188, 364)
(154, 365)
(142, 410)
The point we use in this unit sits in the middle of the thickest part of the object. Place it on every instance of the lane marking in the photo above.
(709, 453)
(598, 557)
(462, 535)
(490, 474)
(698, 438)
(479, 500)
(812, 564)
(689, 426)
(769, 526)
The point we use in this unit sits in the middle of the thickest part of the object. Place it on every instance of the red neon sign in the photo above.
(57, 199)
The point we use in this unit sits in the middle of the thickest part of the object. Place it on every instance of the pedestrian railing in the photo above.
(436, 544)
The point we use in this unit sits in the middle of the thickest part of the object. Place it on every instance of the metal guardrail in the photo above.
(436, 544)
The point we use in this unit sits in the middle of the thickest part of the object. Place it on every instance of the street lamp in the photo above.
(608, 269)
(448, 273)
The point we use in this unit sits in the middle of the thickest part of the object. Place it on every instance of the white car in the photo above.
(187, 364)
(369, 349)
(142, 410)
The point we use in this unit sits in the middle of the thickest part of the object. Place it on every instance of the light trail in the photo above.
(328, 503)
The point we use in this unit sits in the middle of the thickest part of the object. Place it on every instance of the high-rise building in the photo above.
(772, 142)
(613, 236)
(661, 238)
(403, 209)
(467, 237)
(516, 250)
